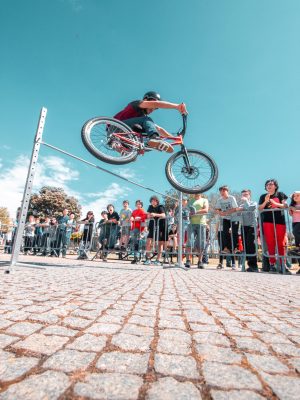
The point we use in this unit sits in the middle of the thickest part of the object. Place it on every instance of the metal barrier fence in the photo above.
(245, 237)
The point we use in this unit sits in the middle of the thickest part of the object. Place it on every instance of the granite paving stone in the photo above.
(112, 386)
(286, 349)
(11, 367)
(123, 362)
(41, 343)
(69, 360)
(229, 376)
(88, 342)
(211, 338)
(219, 354)
(103, 328)
(176, 365)
(235, 395)
(251, 344)
(171, 389)
(5, 340)
(267, 363)
(285, 387)
(58, 330)
(131, 342)
(49, 385)
(23, 328)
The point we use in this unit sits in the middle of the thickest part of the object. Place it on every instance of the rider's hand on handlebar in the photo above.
(182, 108)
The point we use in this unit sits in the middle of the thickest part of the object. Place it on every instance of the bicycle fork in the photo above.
(186, 160)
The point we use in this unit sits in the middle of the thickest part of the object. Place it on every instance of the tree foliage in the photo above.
(5, 220)
(50, 201)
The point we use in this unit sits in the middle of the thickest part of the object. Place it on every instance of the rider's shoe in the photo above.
(161, 145)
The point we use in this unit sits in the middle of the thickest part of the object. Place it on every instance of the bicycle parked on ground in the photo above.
(110, 140)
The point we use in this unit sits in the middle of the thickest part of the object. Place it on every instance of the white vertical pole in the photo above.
(180, 239)
(27, 191)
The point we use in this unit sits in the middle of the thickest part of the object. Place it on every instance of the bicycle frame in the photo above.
(173, 140)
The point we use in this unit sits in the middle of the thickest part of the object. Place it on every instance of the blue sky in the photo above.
(234, 63)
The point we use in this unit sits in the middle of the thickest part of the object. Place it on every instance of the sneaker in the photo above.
(134, 261)
(200, 265)
(219, 266)
(160, 145)
(252, 269)
(273, 269)
(287, 271)
(233, 267)
(157, 262)
(147, 262)
(187, 264)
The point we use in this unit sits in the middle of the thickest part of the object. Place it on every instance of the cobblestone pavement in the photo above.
(124, 332)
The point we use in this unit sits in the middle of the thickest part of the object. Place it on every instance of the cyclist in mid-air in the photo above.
(137, 113)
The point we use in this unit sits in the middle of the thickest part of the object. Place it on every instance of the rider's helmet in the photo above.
(151, 96)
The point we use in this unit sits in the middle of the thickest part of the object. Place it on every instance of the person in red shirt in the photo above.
(138, 218)
(137, 113)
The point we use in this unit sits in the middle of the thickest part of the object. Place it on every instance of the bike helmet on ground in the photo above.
(151, 96)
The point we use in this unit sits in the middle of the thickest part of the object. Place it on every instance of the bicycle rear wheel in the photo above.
(202, 175)
(107, 139)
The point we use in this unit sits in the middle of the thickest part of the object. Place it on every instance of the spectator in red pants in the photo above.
(273, 221)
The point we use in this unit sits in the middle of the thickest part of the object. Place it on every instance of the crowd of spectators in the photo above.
(152, 235)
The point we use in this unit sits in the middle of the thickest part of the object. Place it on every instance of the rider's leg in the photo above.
(149, 127)
(146, 123)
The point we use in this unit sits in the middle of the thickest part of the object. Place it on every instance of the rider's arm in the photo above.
(163, 104)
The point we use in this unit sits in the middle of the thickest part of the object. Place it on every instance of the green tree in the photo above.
(50, 201)
(5, 220)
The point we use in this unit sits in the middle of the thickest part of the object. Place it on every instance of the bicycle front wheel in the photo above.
(110, 140)
(200, 177)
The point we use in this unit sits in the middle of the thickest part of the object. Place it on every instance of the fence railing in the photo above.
(245, 237)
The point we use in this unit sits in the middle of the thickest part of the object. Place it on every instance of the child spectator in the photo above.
(125, 222)
(138, 218)
(29, 234)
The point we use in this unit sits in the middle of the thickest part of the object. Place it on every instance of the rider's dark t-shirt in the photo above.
(132, 110)
(267, 216)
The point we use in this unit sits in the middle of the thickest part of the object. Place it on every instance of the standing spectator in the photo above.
(125, 215)
(157, 229)
(273, 221)
(61, 240)
(38, 234)
(138, 218)
(249, 222)
(294, 211)
(70, 228)
(45, 245)
(172, 241)
(197, 229)
(102, 225)
(8, 240)
(88, 223)
(29, 234)
(226, 207)
(53, 237)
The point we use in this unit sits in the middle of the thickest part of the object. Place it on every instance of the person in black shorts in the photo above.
(157, 229)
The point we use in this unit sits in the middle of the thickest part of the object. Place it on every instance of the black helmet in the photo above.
(151, 96)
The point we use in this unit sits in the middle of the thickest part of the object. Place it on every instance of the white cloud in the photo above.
(51, 171)
(5, 147)
(103, 198)
(76, 5)
(127, 173)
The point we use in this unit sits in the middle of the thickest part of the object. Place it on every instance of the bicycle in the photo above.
(112, 141)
